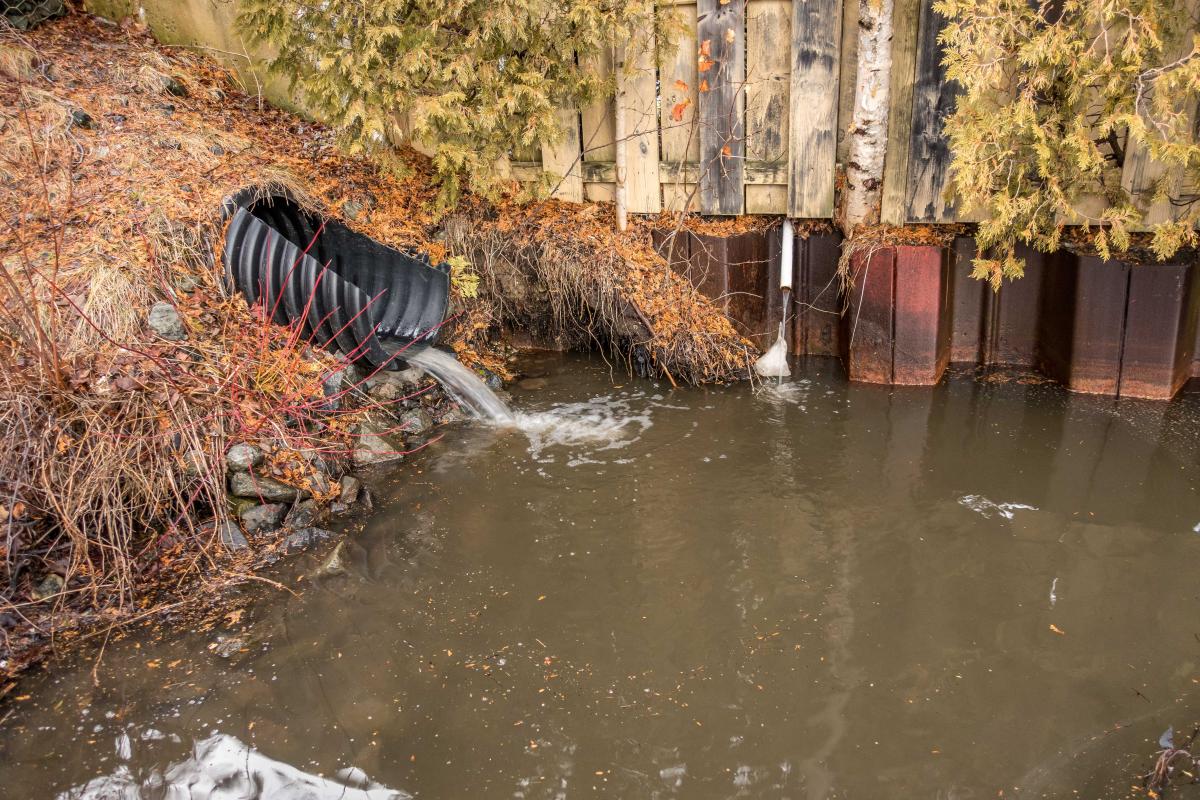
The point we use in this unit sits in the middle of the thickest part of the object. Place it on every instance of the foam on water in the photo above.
(583, 430)
(223, 768)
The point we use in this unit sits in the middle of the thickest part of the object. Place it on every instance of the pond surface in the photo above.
(817, 590)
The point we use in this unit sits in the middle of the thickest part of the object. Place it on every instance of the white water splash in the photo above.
(223, 768)
(461, 383)
(981, 505)
(1053, 592)
(585, 429)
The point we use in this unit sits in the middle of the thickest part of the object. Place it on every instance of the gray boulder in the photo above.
(264, 517)
(166, 322)
(245, 484)
(231, 537)
(375, 445)
(243, 457)
(304, 514)
(416, 421)
(350, 487)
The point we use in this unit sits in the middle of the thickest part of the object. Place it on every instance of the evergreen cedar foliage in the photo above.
(471, 79)
(1057, 96)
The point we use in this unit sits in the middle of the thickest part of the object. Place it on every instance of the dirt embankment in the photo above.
(158, 431)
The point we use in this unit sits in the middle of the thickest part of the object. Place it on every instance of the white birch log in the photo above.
(869, 125)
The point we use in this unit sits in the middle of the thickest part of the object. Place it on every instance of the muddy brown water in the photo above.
(818, 590)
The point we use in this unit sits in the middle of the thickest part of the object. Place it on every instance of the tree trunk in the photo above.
(619, 134)
(868, 129)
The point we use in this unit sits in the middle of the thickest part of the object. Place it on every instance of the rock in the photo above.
(245, 484)
(166, 322)
(173, 86)
(334, 388)
(351, 210)
(194, 463)
(303, 514)
(81, 119)
(227, 646)
(533, 384)
(375, 445)
(394, 384)
(243, 457)
(231, 537)
(304, 538)
(51, 585)
(264, 517)
(454, 413)
(416, 422)
(350, 487)
(492, 380)
(333, 565)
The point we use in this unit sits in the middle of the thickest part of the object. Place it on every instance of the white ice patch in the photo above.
(981, 505)
(222, 768)
(585, 429)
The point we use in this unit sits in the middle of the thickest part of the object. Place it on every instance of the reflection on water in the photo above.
(809, 590)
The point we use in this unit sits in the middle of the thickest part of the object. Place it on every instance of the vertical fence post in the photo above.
(768, 83)
(816, 43)
(721, 31)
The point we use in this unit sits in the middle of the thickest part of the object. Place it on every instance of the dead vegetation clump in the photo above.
(561, 272)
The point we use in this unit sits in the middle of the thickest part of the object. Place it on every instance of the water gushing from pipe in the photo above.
(461, 383)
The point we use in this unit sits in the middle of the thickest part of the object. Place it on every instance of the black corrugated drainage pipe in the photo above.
(348, 291)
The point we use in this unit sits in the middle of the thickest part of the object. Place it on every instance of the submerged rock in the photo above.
(265, 517)
(333, 565)
(305, 538)
(166, 322)
(242, 457)
(245, 484)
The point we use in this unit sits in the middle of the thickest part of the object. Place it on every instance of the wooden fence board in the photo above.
(816, 43)
(598, 130)
(678, 121)
(637, 95)
(721, 34)
(562, 160)
(768, 78)
(904, 63)
(933, 100)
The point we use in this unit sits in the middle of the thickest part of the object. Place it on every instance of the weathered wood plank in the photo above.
(847, 73)
(933, 100)
(562, 160)
(816, 43)
(768, 77)
(720, 67)
(597, 127)
(637, 96)
(757, 173)
(904, 63)
(678, 120)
